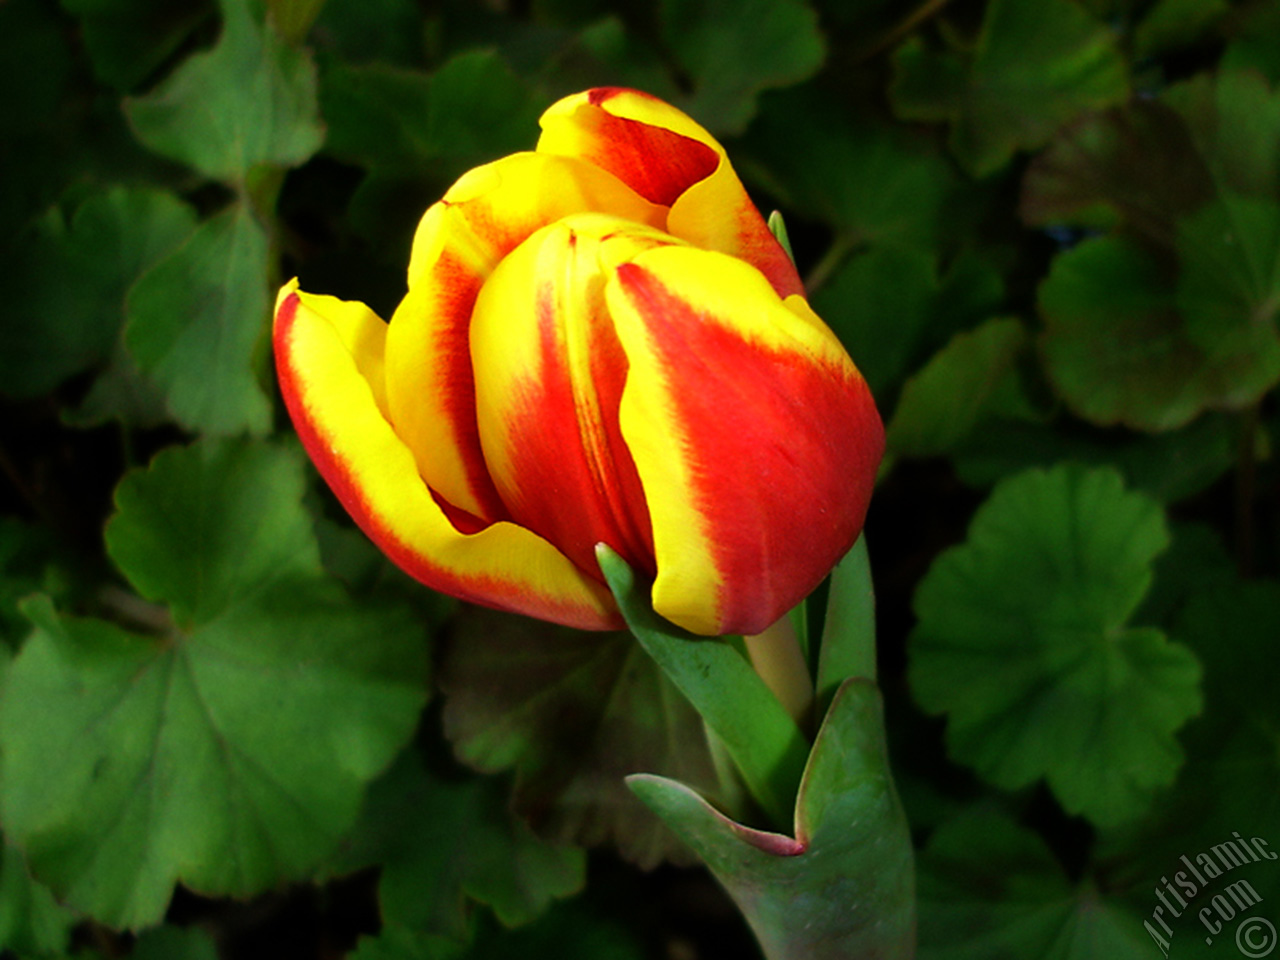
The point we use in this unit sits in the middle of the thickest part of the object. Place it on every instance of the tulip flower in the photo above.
(601, 342)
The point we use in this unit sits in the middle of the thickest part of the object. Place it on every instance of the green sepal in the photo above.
(849, 630)
(761, 737)
(844, 887)
(778, 227)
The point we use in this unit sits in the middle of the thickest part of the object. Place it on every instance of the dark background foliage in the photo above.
(1048, 233)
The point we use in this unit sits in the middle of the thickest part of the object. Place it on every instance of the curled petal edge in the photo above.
(334, 408)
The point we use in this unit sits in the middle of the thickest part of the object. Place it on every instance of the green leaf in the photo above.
(248, 101)
(973, 375)
(229, 750)
(196, 320)
(391, 31)
(1255, 45)
(395, 942)
(870, 181)
(891, 309)
(69, 281)
(843, 887)
(402, 122)
(1233, 627)
(1117, 351)
(762, 738)
(442, 841)
(128, 40)
(734, 50)
(174, 943)
(849, 630)
(1229, 281)
(1169, 466)
(1134, 167)
(572, 713)
(1172, 24)
(1032, 68)
(1023, 641)
(1234, 119)
(31, 921)
(992, 890)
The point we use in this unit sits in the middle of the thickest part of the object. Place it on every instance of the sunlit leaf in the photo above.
(229, 749)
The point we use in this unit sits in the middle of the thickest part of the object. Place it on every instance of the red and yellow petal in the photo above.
(755, 437)
(323, 358)
(483, 217)
(550, 374)
(668, 158)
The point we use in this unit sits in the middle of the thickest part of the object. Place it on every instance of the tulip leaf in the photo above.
(1024, 643)
(248, 101)
(1117, 351)
(758, 733)
(733, 50)
(69, 278)
(868, 180)
(32, 923)
(128, 40)
(572, 713)
(992, 890)
(443, 841)
(845, 889)
(228, 747)
(196, 320)
(1032, 68)
(974, 375)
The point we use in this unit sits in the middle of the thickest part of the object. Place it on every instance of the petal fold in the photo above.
(666, 156)
(483, 217)
(755, 437)
(332, 400)
(550, 373)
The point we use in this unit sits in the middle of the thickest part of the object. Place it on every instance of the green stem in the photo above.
(778, 659)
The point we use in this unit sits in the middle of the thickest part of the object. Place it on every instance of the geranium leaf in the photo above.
(572, 714)
(248, 101)
(196, 318)
(404, 122)
(870, 181)
(127, 40)
(228, 751)
(444, 841)
(1117, 351)
(69, 278)
(1024, 643)
(991, 890)
(32, 923)
(974, 374)
(1032, 68)
(734, 50)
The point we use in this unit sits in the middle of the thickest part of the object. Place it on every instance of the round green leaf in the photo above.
(1023, 642)
(228, 752)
